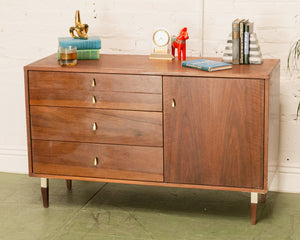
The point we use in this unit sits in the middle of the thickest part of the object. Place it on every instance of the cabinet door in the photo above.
(213, 131)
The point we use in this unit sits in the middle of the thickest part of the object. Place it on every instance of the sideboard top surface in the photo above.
(141, 64)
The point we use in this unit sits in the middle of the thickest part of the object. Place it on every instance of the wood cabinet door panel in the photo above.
(95, 82)
(96, 99)
(113, 161)
(96, 125)
(214, 134)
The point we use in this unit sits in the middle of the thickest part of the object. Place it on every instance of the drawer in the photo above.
(95, 82)
(96, 125)
(113, 161)
(96, 99)
(108, 91)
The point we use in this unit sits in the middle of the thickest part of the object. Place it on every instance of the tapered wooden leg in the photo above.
(253, 213)
(263, 198)
(254, 201)
(45, 191)
(69, 184)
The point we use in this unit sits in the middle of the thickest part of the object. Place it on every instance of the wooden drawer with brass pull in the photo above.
(98, 160)
(97, 125)
(95, 82)
(108, 91)
(96, 99)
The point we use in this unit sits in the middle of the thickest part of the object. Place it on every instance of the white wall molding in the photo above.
(13, 151)
(13, 159)
(277, 26)
(287, 179)
(289, 169)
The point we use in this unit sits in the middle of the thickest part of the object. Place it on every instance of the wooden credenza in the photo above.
(128, 119)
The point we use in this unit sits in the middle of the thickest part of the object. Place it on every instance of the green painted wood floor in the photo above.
(120, 212)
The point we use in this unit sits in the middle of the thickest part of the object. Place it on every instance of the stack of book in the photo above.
(242, 44)
(86, 48)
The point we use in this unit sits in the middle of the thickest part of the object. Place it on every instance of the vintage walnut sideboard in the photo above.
(128, 119)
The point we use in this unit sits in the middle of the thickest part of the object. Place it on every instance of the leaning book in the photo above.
(207, 65)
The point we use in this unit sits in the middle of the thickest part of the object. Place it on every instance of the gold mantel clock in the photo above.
(161, 41)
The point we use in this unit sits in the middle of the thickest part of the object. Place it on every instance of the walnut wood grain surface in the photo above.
(151, 183)
(114, 161)
(109, 91)
(253, 213)
(96, 99)
(45, 196)
(214, 135)
(272, 123)
(95, 82)
(116, 65)
(113, 126)
(139, 64)
(28, 125)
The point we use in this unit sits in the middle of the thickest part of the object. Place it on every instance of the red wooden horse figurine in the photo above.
(179, 43)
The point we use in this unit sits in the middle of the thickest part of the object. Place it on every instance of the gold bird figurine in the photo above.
(80, 29)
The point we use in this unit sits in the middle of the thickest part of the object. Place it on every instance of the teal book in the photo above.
(207, 65)
(93, 42)
(85, 54)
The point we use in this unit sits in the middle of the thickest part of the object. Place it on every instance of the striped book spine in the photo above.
(236, 41)
(248, 31)
(242, 30)
(85, 54)
(88, 54)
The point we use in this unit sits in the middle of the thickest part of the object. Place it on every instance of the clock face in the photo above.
(161, 38)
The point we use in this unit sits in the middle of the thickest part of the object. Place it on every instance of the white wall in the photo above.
(29, 31)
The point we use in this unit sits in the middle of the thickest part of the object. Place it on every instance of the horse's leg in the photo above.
(173, 50)
(179, 51)
(183, 51)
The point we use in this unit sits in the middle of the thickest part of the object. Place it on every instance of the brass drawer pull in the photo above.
(95, 161)
(173, 103)
(94, 99)
(95, 127)
(93, 82)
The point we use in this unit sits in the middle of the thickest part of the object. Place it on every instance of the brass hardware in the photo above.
(94, 99)
(93, 82)
(95, 161)
(94, 127)
(80, 29)
(44, 182)
(173, 103)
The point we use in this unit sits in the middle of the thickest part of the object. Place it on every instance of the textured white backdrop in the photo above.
(29, 31)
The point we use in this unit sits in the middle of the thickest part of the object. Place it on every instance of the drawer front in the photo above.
(95, 82)
(96, 99)
(96, 125)
(108, 91)
(112, 161)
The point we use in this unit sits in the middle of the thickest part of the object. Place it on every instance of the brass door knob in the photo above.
(173, 103)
